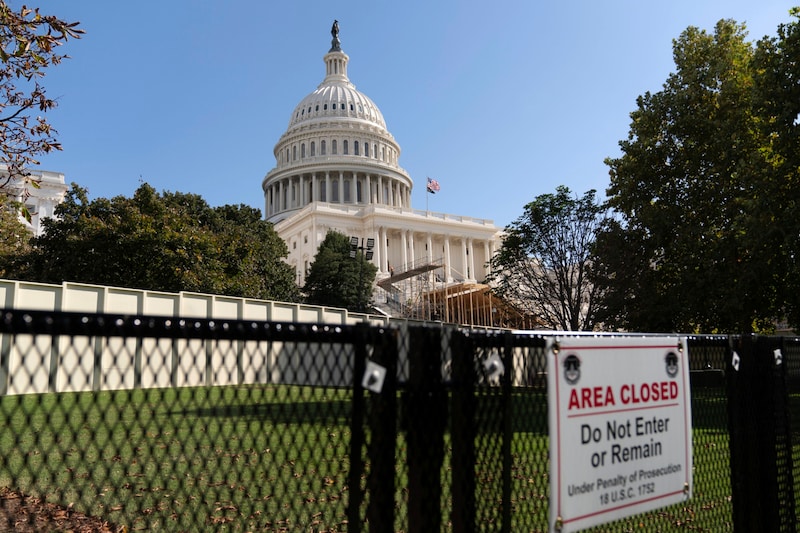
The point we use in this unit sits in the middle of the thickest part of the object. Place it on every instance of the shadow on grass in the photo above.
(334, 412)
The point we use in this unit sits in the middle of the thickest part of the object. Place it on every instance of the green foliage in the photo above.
(336, 279)
(169, 242)
(544, 263)
(705, 190)
(14, 236)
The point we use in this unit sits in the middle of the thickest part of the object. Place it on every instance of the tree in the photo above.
(170, 242)
(774, 206)
(696, 244)
(14, 236)
(337, 279)
(28, 46)
(543, 266)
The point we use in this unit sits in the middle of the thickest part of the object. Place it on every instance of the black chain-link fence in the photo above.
(182, 425)
(112, 423)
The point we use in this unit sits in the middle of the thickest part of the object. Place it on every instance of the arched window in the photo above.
(383, 153)
(375, 151)
(313, 149)
(294, 153)
(322, 147)
(366, 149)
(344, 147)
(355, 148)
(302, 150)
(287, 155)
(333, 147)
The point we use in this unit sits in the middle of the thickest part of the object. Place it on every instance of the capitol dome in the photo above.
(335, 150)
(336, 169)
(336, 98)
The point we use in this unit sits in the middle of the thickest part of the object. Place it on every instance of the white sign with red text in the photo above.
(620, 428)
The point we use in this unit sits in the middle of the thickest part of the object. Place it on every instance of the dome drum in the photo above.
(285, 193)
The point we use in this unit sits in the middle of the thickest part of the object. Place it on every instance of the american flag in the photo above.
(433, 186)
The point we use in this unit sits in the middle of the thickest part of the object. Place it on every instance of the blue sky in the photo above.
(499, 101)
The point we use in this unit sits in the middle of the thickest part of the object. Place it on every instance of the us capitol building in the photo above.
(337, 168)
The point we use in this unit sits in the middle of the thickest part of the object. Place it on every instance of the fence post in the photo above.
(426, 412)
(760, 441)
(383, 436)
(357, 436)
(463, 432)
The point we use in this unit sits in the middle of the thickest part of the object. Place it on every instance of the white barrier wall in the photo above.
(42, 364)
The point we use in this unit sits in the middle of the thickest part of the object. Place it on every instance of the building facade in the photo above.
(40, 197)
(337, 168)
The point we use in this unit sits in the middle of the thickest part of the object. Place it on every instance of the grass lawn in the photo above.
(232, 458)
(275, 458)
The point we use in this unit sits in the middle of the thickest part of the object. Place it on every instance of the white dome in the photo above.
(336, 150)
(336, 97)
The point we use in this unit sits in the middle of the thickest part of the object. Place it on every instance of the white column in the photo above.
(447, 271)
(384, 250)
(369, 190)
(280, 196)
(378, 250)
(314, 187)
(471, 253)
(302, 199)
(341, 187)
(273, 195)
(404, 245)
(430, 248)
(411, 254)
(464, 258)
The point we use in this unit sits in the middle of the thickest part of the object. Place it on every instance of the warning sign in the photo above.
(620, 428)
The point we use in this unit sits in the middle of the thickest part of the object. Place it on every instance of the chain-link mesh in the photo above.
(792, 361)
(174, 425)
(111, 423)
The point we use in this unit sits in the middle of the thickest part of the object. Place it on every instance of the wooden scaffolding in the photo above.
(420, 292)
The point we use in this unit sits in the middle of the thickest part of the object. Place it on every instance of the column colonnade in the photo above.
(334, 186)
